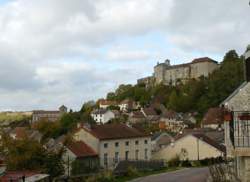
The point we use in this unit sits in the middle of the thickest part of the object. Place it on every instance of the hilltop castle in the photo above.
(172, 74)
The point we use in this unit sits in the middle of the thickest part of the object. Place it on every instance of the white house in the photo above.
(115, 142)
(102, 116)
(192, 147)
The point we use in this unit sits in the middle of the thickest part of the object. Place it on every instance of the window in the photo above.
(105, 145)
(146, 141)
(126, 155)
(136, 142)
(136, 154)
(116, 157)
(146, 154)
(105, 159)
(116, 144)
(127, 143)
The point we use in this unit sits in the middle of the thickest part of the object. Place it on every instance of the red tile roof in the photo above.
(169, 114)
(107, 102)
(16, 176)
(21, 132)
(213, 116)
(203, 59)
(149, 111)
(115, 131)
(81, 149)
(137, 114)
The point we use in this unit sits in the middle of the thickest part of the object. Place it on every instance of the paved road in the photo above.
(184, 175)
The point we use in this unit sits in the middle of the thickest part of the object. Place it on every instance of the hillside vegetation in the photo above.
(195, 95)
(13, 116)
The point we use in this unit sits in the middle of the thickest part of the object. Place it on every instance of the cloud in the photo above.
(55, 52)
(211, 26)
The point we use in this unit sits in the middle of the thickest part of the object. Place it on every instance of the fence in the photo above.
(223, 172)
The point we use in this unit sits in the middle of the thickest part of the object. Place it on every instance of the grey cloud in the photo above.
(211, 26)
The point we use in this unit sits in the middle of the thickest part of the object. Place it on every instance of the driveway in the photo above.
(184, 175)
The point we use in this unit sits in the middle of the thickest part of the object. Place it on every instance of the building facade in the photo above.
(192, 147)
(40, 115)
(115, 142)
(102, 116)
(172, 74)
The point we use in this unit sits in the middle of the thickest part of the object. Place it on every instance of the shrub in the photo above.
(186, 163)
(174, 162)
(195, 163)
(132, 171)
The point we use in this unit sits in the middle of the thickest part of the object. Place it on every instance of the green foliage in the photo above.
(81, 166)
(48, 129)
(113, 108)
(14, 116)
(132, 171)
(174, 162)
(195, 95)
(30, 155)
(106, 176)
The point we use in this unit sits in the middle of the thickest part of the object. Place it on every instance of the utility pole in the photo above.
(198, 152)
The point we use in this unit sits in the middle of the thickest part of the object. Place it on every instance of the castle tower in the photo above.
(159, 71)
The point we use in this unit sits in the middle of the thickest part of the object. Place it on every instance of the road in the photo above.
(184, 175)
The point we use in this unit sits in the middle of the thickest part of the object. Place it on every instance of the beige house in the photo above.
(192, 147)
(115, 142)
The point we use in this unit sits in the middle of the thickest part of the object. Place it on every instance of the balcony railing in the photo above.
(240, 129)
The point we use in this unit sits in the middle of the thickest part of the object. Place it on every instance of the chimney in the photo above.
(247, 64)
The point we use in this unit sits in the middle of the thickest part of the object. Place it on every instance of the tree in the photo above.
(111, 96)
(28, 154)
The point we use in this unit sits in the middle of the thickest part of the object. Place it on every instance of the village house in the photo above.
(193, 146)
(149, 112)
(237, 124)
(115, 142)
(213, 119)
(40, 115)
(79, 158)
(102, 116)
(20, 133)
(24, 175)
(160, 140)
(136, 117)
(172, 121)
(104, 104)
(127, 105)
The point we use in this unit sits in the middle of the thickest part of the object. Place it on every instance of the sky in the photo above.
(55, 52)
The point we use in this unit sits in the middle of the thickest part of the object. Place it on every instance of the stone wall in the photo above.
(171, 75)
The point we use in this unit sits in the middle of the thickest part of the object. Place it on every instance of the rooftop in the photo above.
(81, 149)
(115, 131)
(213, 116)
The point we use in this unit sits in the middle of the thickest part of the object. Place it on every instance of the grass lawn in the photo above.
(146, 173)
